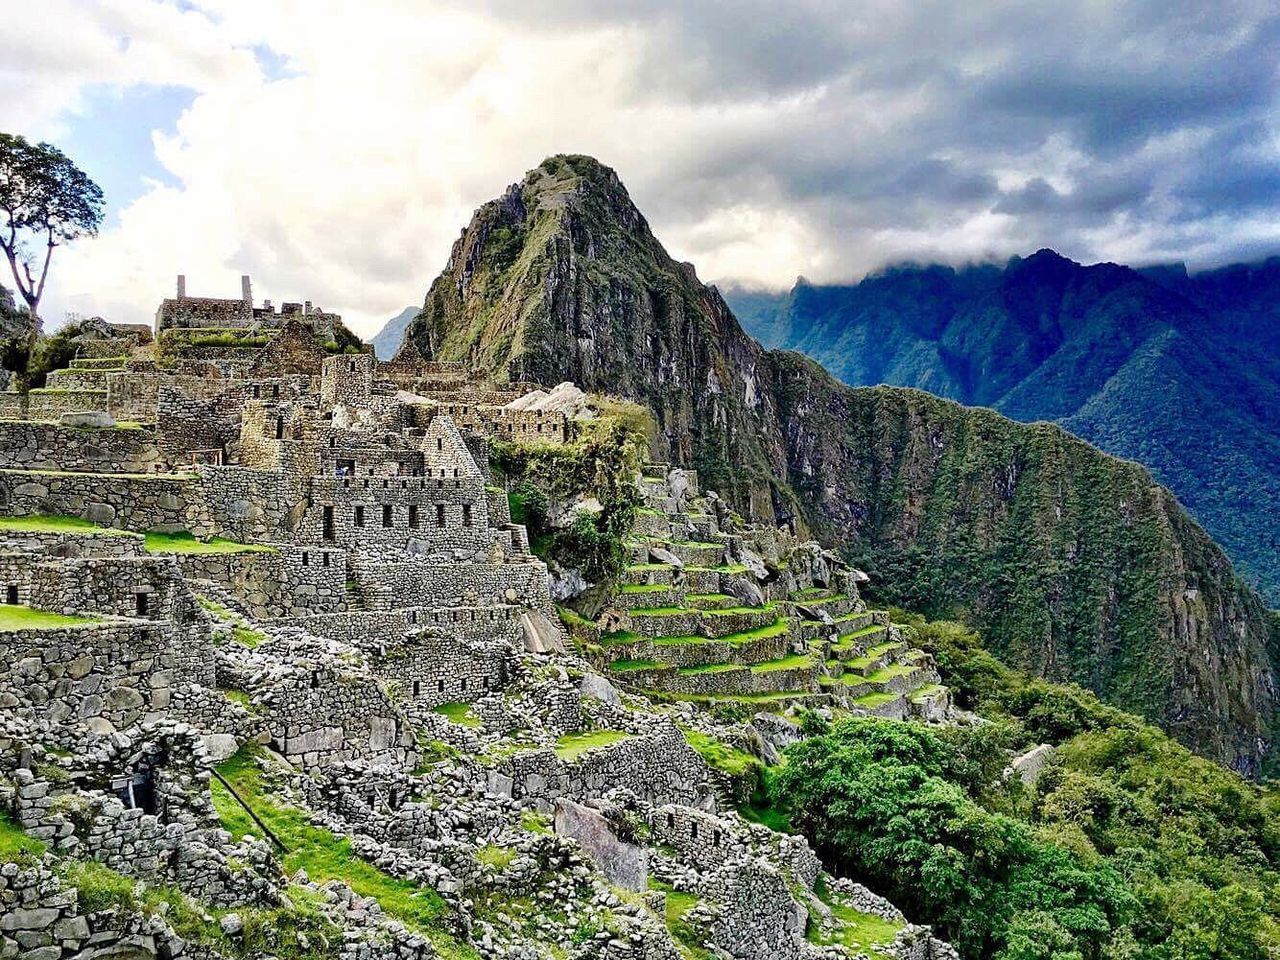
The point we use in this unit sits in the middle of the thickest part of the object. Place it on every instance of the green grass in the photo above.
(660, 612)
(16, 846)
(776, 629)
(645, 587)
(678, 905)
(535, 822)
(325, 856)
(858, 931)
(629, 666)
(794, 662)
(56, 523)
(730, 611)
(649, 567)
(459, 713)
(247, 637)
(496, 856)
(13, 617)
(718, 754)
(240, 697)
(186, 543)
(707, 597)
(885, 674)
(573, 745)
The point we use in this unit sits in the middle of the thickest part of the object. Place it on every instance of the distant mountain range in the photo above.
(1179, 372)
(387, 340)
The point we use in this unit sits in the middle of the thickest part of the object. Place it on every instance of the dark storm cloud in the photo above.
(1105, 121)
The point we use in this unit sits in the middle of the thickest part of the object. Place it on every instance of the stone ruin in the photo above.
(263, 600)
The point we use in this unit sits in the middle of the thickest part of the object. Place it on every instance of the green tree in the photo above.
(46, 201)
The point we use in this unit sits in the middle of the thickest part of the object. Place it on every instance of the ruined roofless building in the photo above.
(216, 313)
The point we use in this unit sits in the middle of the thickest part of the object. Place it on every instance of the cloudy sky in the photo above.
(334, 149)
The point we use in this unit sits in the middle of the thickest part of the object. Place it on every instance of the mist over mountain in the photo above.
(1178, 371)
(1076, 564)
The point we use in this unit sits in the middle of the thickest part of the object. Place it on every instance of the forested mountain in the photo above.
(1076, 564)
(1179, 372)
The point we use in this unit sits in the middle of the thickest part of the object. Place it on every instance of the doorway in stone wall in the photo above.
(328, 524)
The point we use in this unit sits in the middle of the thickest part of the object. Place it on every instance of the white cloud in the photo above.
(823, 143)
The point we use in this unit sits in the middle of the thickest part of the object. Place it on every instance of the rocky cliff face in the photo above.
(1077, 565)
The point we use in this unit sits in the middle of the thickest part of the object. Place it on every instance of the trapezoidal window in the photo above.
(466, 514)
(141, 602)
(279, 428)
(359, 517)
(387, 515)
(413, 516)
(439, 514)
(11, 593)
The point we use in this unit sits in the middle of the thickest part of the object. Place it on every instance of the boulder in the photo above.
(661, 555)
(624, 864)
(745, 591)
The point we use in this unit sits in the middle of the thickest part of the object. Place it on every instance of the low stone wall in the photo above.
(50, 404)
(107, 675)
(659, 768)
(322, 718)
(127, 501)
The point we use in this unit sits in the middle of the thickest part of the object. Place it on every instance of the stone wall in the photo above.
(284, 582)
(318, 717)
(50, 404)
(431, 668)
(132, 502)
(659, 767)
(107, 675)
(44, 446)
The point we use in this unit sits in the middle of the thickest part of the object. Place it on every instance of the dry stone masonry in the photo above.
(265, 611)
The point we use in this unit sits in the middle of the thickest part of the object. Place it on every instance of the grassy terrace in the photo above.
(459, 713)
(797, 661)
(645, 587)
(325, 856)
(55, 524)
(154, 542)
(720, 755)
(186, 543)
(573, 745)
(776, 629)
(858, 931)
(885, 674)
(869, 701)
(112, 476)
(13, 618)
(630, 666)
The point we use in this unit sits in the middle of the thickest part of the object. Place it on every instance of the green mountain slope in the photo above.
(1076, 564)
(1181, 373)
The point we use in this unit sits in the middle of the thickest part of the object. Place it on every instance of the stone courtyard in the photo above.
(266, 611)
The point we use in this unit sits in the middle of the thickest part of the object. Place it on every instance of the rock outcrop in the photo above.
(1078, 565)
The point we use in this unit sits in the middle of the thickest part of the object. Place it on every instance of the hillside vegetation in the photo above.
(1076, 564)
(1178, 372)
(1125, 846)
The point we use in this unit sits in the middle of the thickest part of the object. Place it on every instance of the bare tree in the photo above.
(47, 201)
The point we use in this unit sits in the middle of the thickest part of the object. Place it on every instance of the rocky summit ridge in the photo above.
(1077, 565)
